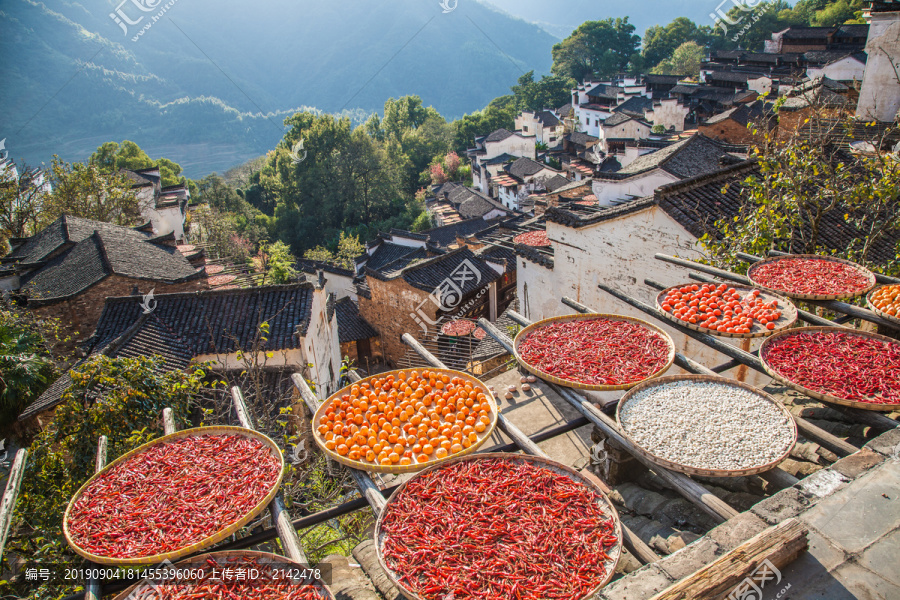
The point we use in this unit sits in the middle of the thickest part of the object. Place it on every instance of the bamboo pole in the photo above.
(8, 504)
(92, 590)
(290, 541)
(168, 421)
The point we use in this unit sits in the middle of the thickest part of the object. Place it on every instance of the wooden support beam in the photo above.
(367, 487)
(687, 487)
(779, 545)
(290, 541)
(168, 421)
(635, 545)
(8, 504)
(93, 590)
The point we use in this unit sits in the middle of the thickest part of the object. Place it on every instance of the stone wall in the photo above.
(79, 315)
(390, 312)
(729, 131)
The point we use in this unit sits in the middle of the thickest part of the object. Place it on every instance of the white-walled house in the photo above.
(164, 207)
(543, 124)
(849, 69)
(520, 179)
(497, 146)
(669, 113)
(690, 157)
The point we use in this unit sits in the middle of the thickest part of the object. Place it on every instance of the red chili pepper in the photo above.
(844, 365)
(596, 351)
(495, 529)
(172, 495)
(810, 276)
(532, 238)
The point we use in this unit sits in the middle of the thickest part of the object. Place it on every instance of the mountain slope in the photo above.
(209, 83)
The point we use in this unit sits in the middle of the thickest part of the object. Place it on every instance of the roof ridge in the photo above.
(700, 180)
(430, 261)
(103, 254)
(198, 293)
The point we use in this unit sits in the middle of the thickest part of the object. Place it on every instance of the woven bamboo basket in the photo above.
(878, 311)
(415, 467)
(204, 543)
(615, 552)
(819, 395)
(235, 556)
(819, 297)
(587, 317)
(690, 470)
(789, 315)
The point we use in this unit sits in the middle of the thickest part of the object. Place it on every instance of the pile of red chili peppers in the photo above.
(596, 351)
(268, 584)
(532, 238)
(810, 276)
(844, 365)
(458, 327)
(494, 529)
(172, 495)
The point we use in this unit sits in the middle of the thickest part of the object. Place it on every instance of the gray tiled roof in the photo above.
(555, 183)
(634, 106)
(351, 326)
(582, 139)
(428, 275)
(102, 254)
(387, 253)
(696, 155)
(525, 167)
(446, 235)
(217, 321)
(499, 135)
(65, 230)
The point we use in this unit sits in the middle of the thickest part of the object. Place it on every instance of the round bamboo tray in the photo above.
(687, 469)
(235, 556)
(204, 543)
(415, 467)
(587, 317)
(789, 314)
(615, 552)
(877, 310)
(819, 297)
(819, 395)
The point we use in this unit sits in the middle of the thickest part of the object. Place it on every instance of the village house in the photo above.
(690, 157)
(453, 202)
(519, 179)
(543, 124)
(222, 328)
(495, 149)
(165, 208)
(413, 296)
(69, 268)
(731, 126)
(358, 340)
(806, 39)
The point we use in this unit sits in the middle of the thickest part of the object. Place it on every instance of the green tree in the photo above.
(120, 398)
(804, 182)
(348, 250)
(499, 114)
(550, 92)
(660, 42)
(84, 190)
(596, 48)
(277, 264)
(685, 60)
(21, 203)
(113, 157)
(424, 222)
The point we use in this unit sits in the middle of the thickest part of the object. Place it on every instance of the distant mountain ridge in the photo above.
(210, 90)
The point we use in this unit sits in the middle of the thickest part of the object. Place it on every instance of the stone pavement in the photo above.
(852, 510)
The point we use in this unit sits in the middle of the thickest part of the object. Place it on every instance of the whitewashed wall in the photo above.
(879, 97)
(846, 69)
(669, 113)
(639, 186)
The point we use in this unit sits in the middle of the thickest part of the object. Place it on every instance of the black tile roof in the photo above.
(699, 202)
(146, 337)
(556, 182)
(498, 135)
(693, 156)
(401, 263)
(547, 118)
(102, 254)
(525, 167)
(604, 90)
(351, 326)
(446, 236)
(619, 118)
(742, 114)
(387, 253)
(409, 235)
(471, 203)
(635, 106)
(684, 89)
(220, 321)
(582, 139)
(662, 79)
(432, 273)
(63, 231)
(499, 160)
